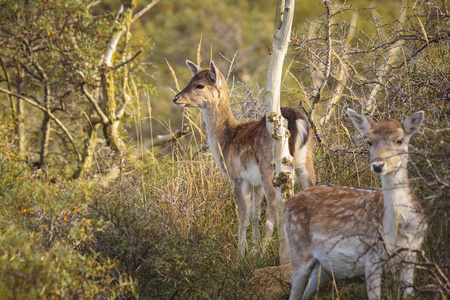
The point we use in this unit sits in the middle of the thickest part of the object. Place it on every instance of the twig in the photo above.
(50, 114)
(316, 98)
(127, 61)
(144, 10)
(167, 138)
(94, 102)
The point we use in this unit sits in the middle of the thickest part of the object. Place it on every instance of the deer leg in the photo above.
(373, 274)
(407, 273)
(243, 207)
(317, 274)
(256, 208)
(272, 214)
(301, 272)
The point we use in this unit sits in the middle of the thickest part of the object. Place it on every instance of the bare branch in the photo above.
(121, 110)
(370, 104)
(50, 114)
(94, 102)
(8, 82)
(341, 76)
(316, 98)
(126, 61)
(144, 10)
(167, 138)
(93, 4)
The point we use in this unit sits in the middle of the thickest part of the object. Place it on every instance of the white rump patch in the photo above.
(251, 174)
(269, 225)
(302, 130)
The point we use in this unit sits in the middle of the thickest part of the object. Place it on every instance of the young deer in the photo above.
(350, 232)
(243, 151)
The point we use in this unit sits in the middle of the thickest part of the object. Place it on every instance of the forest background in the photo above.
(106, 187)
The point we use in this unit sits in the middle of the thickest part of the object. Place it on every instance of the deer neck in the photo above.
(398, 201)
(219, 122)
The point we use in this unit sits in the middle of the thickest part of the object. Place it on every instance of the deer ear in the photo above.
(193, 67)
(214, 74)
(362, 123)
(413, 122)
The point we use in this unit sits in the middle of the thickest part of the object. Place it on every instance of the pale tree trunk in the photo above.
(46, 128)
(109, 100)
(46, 125)
(18, 114)
(110, 109)
(108, 86)
(88, 155)
(276, 124)
(124, 18)
(20, 127)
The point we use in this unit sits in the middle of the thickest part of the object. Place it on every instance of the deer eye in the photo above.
(199, 86)
(399, 142)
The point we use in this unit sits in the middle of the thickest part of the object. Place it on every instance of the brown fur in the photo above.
(244, 150)
(350, 232)
(330, 210)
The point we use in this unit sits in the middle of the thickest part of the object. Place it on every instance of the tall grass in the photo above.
(166, 228)
(163, 224)
(162, 229)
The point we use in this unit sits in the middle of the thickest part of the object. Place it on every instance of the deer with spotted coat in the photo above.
(346, 232)
(243, 151)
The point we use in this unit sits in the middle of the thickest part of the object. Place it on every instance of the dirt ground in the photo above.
(271, 282)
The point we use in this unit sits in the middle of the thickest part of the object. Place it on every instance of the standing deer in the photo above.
(243, 151)
(351, 232)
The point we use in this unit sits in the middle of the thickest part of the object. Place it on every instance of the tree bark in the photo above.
(20, 115)
(109, 100)
(88, 155)
(48, 113)
(110, 129)
(110, 110)
(276, 124)
(20, 127)
(17, 111)
(46, 128)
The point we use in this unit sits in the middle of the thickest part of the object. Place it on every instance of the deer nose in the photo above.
(175, 99)
(377, 167)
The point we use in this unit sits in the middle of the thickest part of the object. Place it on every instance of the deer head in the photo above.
(388, 140)
(205, 88)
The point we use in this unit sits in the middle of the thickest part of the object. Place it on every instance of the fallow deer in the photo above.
(243, 151)
(352, 232)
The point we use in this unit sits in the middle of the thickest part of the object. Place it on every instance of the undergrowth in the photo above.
(162, 229)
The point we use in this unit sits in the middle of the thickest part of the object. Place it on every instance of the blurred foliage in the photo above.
(224, 29)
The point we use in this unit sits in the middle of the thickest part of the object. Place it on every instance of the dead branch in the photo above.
(50, 114)
(167, 138)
